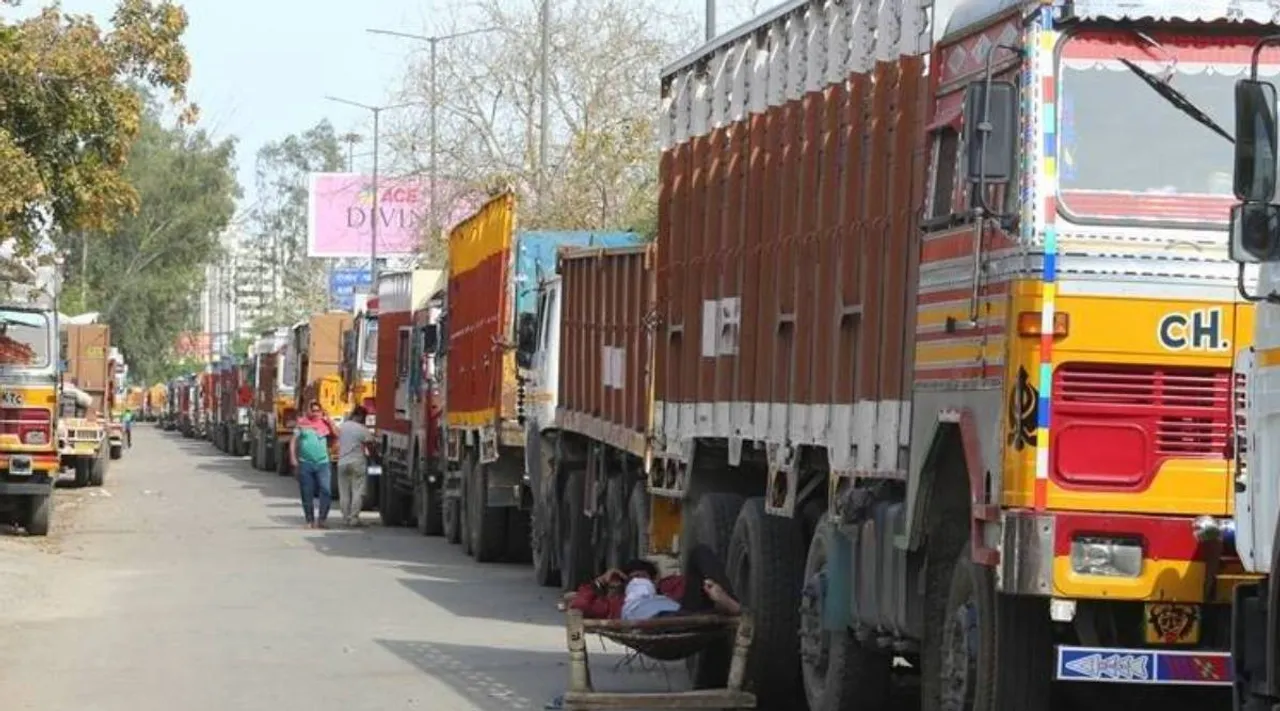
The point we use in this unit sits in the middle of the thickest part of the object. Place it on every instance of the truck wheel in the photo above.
(282, 460)
(638, 517)
(451, 525)
(542, 539)
(574, 534)
(430, 512)
(766, 568)
(519, 549)
(393, 507)
(839, 673)
(98, 473)
(254, 454)
(269, 457)
(39, 514)
(117, 451)
(488, 525)
(711, 524)
(977, 625)
(84, 471)
(618, 538)
(464, 505)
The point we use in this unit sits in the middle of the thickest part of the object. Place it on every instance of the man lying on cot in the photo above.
(637, 593)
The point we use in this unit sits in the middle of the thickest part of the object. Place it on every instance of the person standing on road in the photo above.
(353, 464)
(309, 454)
(128, 428)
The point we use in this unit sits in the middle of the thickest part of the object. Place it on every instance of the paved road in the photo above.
(188, 583)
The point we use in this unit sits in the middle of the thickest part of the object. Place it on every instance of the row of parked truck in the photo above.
(939, 347)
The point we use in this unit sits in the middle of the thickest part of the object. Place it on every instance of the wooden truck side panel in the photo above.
(787, 241)
(88, 351)
(606, 345)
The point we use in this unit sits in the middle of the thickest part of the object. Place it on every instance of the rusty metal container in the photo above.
(606, 344)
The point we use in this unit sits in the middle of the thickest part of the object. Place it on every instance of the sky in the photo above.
(261, 68)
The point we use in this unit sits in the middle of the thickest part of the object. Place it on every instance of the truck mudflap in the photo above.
(1145, 666)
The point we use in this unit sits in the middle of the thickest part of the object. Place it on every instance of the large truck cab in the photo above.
(360, 355)
(29, 458)
(400, 296)
(1255, 245)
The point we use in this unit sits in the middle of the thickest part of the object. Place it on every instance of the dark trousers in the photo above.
(314, 479)
(702, 564)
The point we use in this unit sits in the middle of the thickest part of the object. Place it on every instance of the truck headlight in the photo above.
(35, 437)
(370, 420)
(1110, 557)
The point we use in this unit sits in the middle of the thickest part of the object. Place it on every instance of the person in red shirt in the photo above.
(636, 592)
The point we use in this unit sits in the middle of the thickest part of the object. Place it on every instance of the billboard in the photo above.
(345, 283)
(340, 213)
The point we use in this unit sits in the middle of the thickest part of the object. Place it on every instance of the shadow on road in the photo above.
(497, 679)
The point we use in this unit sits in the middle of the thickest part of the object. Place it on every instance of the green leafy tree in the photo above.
(69, 113)
(295, 283)
(144, 275)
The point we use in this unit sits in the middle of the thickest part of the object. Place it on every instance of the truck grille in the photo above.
(1115, 425)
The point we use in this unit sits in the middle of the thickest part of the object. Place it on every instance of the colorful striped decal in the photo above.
(1048, 119)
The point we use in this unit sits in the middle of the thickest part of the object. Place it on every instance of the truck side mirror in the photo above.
(1255, 232)
(990, 130)
(526, 339)
(1255, 158)
(430, 338)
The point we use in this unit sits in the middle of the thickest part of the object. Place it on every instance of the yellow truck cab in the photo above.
(28, 415)
(80, 438)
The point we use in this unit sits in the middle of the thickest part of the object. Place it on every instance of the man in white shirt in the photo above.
(353, 464)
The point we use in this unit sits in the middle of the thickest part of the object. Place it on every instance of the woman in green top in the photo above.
(309, 454)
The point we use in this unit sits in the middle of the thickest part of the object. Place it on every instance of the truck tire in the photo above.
(618, 527)
(542, 541)
(84, 471)
(394, 508)
(268, 454)
(766, 568)
(39, 514)
(711, 524)
(519, 548)
(1011, 666)
(488, 525)
(638, 517)
(450, 521)
(282, 460)
(839, 673)
(574, 533)
(98, 473)
(427, 503)
(464, 505)
(255, 454)
(117, 451)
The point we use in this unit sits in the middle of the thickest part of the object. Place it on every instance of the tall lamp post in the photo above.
(373, 216)
(434, 167)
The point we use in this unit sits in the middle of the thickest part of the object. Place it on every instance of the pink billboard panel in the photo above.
(340, 213)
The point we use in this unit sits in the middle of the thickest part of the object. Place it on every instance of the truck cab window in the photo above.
(946, 158)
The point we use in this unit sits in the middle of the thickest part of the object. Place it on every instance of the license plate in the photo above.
(20, 465)
(374, 470)
(1171, 623)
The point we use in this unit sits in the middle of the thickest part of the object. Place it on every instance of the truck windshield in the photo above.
(1126, 151)
(24, 339)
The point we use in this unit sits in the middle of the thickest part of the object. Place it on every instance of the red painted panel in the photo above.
(389, 325)
(477, 299)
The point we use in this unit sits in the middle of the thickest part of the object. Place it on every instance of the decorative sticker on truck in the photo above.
(1198, 330)
(1024, 406)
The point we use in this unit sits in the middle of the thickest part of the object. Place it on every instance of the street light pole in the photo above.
(711, 20)
(544, 109)
(373, 240)
(433, 166)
